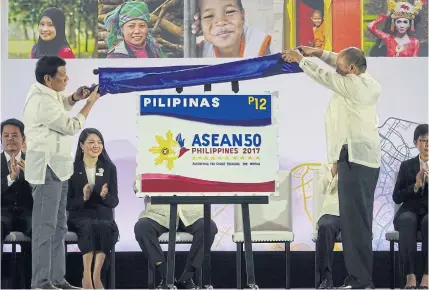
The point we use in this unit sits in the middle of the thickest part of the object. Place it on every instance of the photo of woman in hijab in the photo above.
(129, 35)
(52, 37)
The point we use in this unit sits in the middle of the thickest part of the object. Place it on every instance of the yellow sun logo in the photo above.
(164, 150)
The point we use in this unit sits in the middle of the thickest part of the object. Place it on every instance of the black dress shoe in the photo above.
(47, 285)
(163, 284)
(351, 283)
(66, 285)
(410, 287)
(423, 287)
(186, 284)
(371, 286)
(346, 282)
(325, 284)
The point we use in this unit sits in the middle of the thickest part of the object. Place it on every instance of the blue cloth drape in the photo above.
(125, 80)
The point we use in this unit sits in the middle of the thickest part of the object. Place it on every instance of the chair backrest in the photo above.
(275, 216)
(397, 206)
(318, 194)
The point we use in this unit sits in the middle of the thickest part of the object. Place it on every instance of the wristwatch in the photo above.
(74, 99)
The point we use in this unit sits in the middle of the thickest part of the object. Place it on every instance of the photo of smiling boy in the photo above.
(223, 25)
(318, 29)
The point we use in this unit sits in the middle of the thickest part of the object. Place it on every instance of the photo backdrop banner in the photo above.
(213, 29)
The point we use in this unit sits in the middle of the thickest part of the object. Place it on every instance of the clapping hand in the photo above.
(421, 177)
(104, 191)
(21, 165)
(86, 192)
(14, 167)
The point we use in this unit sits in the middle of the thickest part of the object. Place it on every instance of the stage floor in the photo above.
(131, 269)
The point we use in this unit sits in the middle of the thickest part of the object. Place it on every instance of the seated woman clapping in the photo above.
(92, 196)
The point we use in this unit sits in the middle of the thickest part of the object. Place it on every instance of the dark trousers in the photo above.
(15, 221)
(328, 230)
(356, 187)
(148, 231)
(19, 221)
(408, 224)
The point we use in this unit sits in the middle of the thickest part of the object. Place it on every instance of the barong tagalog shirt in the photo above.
(49, 130)
(351, 117)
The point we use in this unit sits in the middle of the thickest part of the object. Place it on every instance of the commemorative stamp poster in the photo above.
(220, 144)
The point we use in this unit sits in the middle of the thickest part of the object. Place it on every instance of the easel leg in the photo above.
(250, 269)
(207, 257)
(171, 246)
(238, 259)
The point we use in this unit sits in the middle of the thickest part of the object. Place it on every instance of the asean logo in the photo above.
(166, 149)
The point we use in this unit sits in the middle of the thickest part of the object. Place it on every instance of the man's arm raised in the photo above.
(330, 58)
(328, 78)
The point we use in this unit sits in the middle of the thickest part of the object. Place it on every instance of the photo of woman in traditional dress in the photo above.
(403, 17)
(130, 21)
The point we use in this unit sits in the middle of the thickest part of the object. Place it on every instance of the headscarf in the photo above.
(126, 12)
(54, 46)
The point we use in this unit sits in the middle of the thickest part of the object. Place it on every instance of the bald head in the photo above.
(351, 60)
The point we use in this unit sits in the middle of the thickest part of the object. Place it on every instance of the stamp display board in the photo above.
(206, 144)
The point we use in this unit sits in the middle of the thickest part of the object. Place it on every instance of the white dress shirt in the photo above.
(423, 164)
(188, 213)
(90, 175)
(351, 117)
(49, 130)
(8, 158)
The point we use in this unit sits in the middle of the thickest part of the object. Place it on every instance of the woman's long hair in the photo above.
(54, 46)
(104, 157)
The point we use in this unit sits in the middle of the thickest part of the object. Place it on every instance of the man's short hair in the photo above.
(13, 122)
(356, 57)
(48, 65)
(420, 131)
